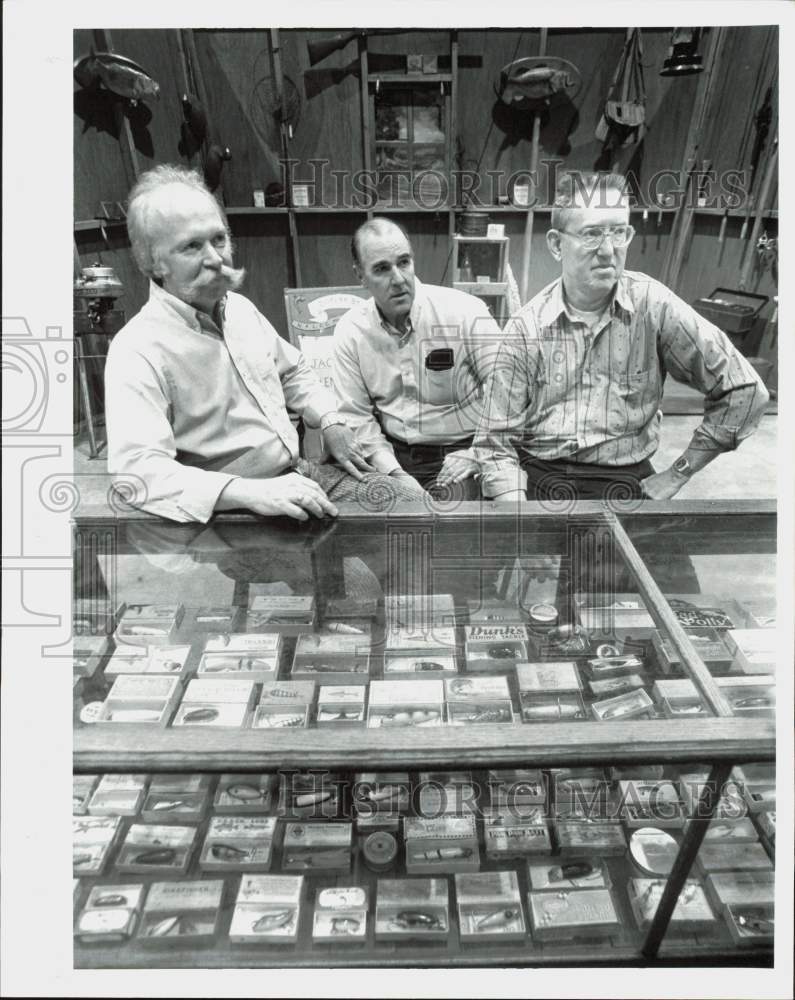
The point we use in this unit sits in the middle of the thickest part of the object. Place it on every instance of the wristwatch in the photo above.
(683, 467)
(330, 419)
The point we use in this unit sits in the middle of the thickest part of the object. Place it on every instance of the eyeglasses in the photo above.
(591, 238)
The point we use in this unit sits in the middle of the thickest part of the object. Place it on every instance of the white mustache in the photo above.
(234, 276)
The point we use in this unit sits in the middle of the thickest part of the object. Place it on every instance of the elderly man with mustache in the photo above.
(198, 382)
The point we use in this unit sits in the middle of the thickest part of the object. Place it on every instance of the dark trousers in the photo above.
(561, 480)
(424, 461)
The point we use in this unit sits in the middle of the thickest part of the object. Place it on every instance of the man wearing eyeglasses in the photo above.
(572, 408)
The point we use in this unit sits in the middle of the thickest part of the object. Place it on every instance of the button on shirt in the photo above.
(383, 379)
(190, 405)
(562, 390)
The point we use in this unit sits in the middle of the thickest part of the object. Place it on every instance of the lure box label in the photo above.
(419, 610)
(621, 616)
(740, 888)
(548, 678)
(707, 642)
(571, 913)
(110, 914)
(731, 857)
(489, 906)
(267, 644)
(289, 614)
(118, 795)
(472, 700)
(92, 840)
(340, 915)
(238, 843)
(341, 703)
(517, 787)
(510, 834)
(444, 792)
(601, 839)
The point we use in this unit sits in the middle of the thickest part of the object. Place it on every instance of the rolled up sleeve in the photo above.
(504, 419)
(699, 354)
(141, 445)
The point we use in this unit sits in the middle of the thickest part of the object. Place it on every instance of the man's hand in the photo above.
(456, 467)
(340, 442)
(293, 494)
(663, 485)
(511, 496)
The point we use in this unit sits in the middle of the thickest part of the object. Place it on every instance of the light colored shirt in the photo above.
(560, 390)
(383, 383)
(189, 406)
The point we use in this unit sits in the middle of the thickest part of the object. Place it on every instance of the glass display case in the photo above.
(463, 735)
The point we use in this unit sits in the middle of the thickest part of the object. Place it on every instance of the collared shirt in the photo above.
(383, 379)
(190, 406)
(560, 390)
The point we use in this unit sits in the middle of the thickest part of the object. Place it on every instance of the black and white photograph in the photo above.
(397, 449)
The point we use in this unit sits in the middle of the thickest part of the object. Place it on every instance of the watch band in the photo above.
(331, 419)
(683, 467)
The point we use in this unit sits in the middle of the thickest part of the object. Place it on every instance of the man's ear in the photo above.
(358, 272)
(553, 243)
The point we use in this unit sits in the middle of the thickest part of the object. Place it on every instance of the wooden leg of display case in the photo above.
(85, 395)
(691, 842)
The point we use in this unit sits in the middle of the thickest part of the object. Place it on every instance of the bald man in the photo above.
(409, 365)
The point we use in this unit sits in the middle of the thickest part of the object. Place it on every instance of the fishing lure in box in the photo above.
(185, 913)
(267, 908)
(489, 906)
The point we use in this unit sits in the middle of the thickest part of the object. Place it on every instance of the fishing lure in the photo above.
(200, 715)
(756, 701)
(81, 859)
(174, 925)
(246, 793)
(443, 854)
(304, 799)
(110, 899)
(273, 920)
(319, 859)
(338, 716)
(159, 856)
(484, 715)
(345, 925)
(499, 918)
(751, 921)
(282, 721)
(426, 665)
(228, 852)
(417, 920)
(497, 652)
(343, 629)
(167, 806)
(573, 870)
(282, 693)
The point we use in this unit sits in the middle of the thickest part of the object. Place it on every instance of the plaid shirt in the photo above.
(561, 391)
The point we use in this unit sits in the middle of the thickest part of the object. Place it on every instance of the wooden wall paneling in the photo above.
(750, 66)
(98, 166)
(324, 248)
(706, 269)
(155, 141)
(240, 105)
(329, 125)
(262, 247)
